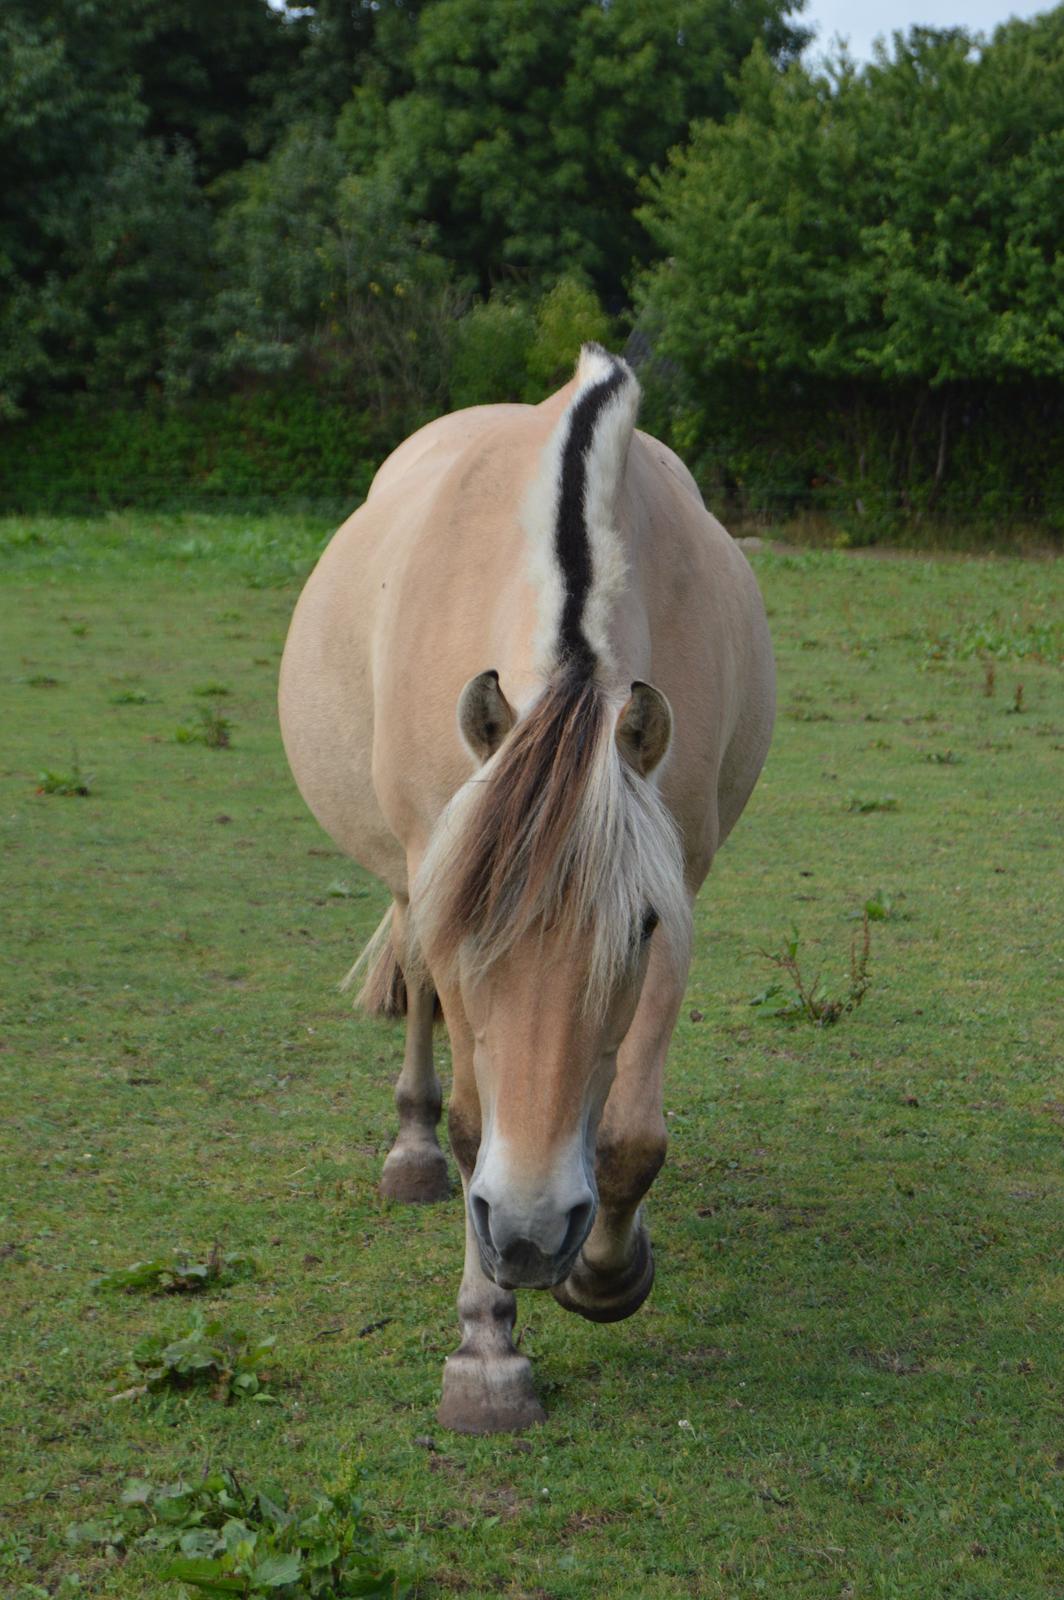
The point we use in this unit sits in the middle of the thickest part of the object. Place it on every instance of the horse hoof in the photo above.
(609, 1297)
(415, 1175)
(488, 1396)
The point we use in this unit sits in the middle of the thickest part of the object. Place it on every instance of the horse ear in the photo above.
(485, 716)
(644, 728)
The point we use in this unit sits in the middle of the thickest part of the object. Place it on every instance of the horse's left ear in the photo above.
(485, 716)
(644, 728)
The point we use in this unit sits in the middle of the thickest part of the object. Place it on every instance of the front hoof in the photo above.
(416, 1175)
(609, 1297)
(488, 1396)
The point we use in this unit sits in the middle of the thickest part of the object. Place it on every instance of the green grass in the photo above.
(847, 1380)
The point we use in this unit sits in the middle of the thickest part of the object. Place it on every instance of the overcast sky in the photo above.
(860, 23)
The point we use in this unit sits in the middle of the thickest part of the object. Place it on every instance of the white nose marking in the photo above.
(549, 1213)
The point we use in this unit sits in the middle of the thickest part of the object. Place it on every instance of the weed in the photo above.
(207, 690)
(1017, 707)
(1016, 640)
(808, 714)
(225, 1537)
(943, 758)
(883, 802)
(131, 697)
(213, 731)
(989, 679)
(880, 907)
(180, 1275)
(209, 1355)
(808, 999)
(71, 782)
(42, 680)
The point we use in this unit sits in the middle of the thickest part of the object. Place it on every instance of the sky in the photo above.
(861, 22)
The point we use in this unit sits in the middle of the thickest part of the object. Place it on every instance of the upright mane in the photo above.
(558, 830)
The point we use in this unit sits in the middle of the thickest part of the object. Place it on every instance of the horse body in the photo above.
(467, 708)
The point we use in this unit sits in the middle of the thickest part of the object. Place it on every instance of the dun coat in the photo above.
(529, 686)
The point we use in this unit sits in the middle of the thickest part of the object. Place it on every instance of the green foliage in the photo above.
(68, 112)
(491, 348)
(883, 906)
(250, 449)
(867, 803)
(137, 279)
(239, 250)
(567, 316)
(111, 120)
(395, 302)
(901, 221)
(180, 1275)
(225, 1361)
(212, 78)
(273, 241)
(225, 1536)
(529, 123)
(859, 284)
(68, 781)
(213, 730)
(807, 999)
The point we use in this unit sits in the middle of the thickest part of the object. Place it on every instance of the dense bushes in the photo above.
(861, 290)
(245, 250)
(247, 450)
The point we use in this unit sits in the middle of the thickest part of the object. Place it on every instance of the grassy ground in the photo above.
(846, 1385)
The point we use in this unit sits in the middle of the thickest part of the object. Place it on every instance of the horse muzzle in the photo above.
(530, 1250)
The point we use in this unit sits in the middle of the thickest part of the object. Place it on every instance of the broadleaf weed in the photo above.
(808, 999)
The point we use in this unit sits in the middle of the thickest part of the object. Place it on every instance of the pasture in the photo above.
(846, 1384)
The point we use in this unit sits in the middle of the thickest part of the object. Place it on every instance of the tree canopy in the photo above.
(903, 222)
(405, 204)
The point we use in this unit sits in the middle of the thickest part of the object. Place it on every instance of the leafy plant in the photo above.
(225, 1537)
(224, 1360)
(213, 730)
(130, 697)
(180, 1275)
(213, 688)
(71, 782)
(882, 906)
(808, 999)
(861, 803)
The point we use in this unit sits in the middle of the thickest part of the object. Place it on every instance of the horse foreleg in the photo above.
(416, 1168)
(614, 1272)
(487, 1384)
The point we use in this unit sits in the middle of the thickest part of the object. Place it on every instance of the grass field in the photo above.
(847, 1382)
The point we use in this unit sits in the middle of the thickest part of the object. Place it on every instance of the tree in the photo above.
(210, 73)
(68, 110)
(903, 222)
(530, 123)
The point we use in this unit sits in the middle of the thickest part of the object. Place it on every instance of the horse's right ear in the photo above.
(644, 728)
(485, 716)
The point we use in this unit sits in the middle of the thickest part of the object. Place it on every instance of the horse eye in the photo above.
(650, 922)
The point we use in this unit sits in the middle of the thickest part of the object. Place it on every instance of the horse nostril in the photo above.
(481, 1214)
(579, 1225)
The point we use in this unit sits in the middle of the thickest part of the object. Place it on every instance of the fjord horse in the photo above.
(530, 686)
